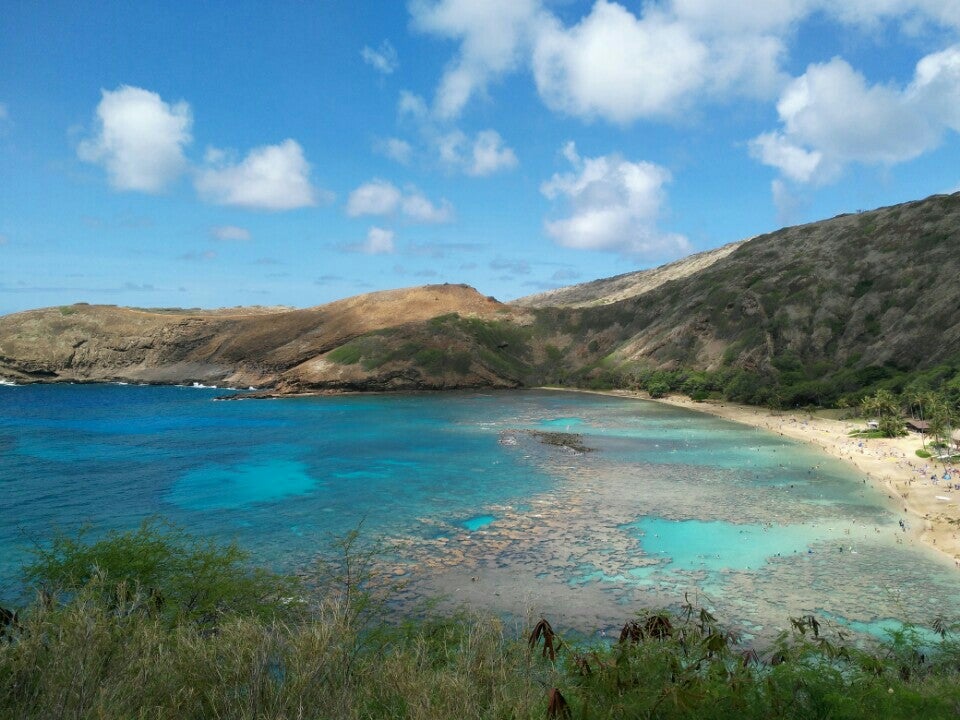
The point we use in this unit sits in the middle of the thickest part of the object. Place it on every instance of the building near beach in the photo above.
(920, 426)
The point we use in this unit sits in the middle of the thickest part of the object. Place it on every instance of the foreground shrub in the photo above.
(160, 566)
(95, 652)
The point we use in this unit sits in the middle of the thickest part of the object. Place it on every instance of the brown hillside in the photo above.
(106, 343)
(628, 285)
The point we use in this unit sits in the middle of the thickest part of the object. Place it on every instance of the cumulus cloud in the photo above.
(622, 62)
(377, 197)
(419, 209)
(484, 155)
(831, 117)
(381, 197)
(229, 232)
(383, 59)
(139, 139)
(722, 17)
(272, 177)
(613, 204)
(617, 66)
(913, 15)
(794, 162)
(490, 155)
(610, 64)
(936, 85)
(379, 242)
(492, 34)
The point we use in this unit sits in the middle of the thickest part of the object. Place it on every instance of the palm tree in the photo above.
(917, 399)
(885, 406)
(938, 412)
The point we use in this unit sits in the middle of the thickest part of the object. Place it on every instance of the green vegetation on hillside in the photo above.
(814, 313)
(823, 314)
(96, 643)
(447, 344)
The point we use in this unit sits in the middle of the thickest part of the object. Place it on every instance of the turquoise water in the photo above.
(478, 522)
(716, 545)
(666, 502)
(282, 477)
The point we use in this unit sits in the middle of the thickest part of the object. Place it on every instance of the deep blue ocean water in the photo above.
(667, 496)
(280, 476)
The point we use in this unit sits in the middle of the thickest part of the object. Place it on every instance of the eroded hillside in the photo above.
(821, 309)
(264, 349)
(628, 285)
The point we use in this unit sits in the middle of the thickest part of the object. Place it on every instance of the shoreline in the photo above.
(890, 464)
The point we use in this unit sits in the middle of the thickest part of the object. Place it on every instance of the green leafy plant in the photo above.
(181, 576)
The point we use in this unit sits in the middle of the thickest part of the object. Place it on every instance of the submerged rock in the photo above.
(572, 441)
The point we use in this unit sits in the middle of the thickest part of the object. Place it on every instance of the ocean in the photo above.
(663, 504)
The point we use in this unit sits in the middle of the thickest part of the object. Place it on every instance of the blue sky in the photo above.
(292, 153)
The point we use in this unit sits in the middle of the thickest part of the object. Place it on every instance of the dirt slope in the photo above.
(106, 343)
(621, 287)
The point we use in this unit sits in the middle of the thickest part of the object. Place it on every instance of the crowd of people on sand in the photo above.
(901, 474)
(945, 477)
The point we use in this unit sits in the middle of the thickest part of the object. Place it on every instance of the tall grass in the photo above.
(100, 647)
(86, 659)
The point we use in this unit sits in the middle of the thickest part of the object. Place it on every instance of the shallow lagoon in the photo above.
(666, 502)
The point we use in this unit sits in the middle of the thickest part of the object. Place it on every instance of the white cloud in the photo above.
(377, 197)
(229, 232)
(139, 140)
(611, 64)
(272, 177)
(383, 59)
(793, 161)
(936, 86)
(484, 155)
(396, 149)
(418, 208)
(380, 197)
(450, 147)
(379, 242)
(622, 62)
(745, 65)
(831, 117)
(912, 15)
(492, 35)
(614, 205)
(489, 154)
(722, 17)
(616, 66)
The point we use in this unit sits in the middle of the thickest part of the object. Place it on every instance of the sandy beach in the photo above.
(927, 491)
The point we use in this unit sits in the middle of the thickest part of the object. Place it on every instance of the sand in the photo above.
(931, 502)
